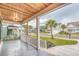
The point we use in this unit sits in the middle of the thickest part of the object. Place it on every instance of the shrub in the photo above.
(64, 32)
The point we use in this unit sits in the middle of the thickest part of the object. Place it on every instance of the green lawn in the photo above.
(44, 32)
(57, 41)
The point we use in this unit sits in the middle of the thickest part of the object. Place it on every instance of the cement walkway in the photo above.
(66, 50)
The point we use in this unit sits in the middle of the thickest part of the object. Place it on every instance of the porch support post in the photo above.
(38, 32)
(0, 30)
(27, 29)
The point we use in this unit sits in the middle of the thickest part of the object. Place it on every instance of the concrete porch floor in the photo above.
(19, 48)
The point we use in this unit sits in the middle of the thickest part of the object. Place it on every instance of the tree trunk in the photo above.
(52, 33)
(69, 35)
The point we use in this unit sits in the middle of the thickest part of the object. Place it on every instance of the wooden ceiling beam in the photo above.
(47, 4)
(34, 10)
(29, 8)
(6, 7)
(18, 7)
(8, 13)
(34, 7)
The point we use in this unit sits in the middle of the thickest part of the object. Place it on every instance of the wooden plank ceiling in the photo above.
(18, 12)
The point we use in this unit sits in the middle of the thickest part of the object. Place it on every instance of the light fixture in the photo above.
(16, 16)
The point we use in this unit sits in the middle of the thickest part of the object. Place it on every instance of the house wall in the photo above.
(73, 29)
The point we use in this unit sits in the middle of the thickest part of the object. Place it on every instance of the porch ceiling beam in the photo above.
(12, 9)
(30, 9)
(33, 7)
(18, 8)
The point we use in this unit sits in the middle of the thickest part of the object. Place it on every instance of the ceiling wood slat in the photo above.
(37, 6)
(18, 7)
(9, 8)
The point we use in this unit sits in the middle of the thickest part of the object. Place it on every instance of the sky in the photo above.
(69, 13)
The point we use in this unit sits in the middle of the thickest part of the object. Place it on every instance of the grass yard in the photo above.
(44, 32)
(57, 41)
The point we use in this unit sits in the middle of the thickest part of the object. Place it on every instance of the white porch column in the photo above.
(27, 29)
(0, 30)
(38, 32)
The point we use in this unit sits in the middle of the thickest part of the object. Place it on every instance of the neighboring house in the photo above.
(43, 29)
(73, 27)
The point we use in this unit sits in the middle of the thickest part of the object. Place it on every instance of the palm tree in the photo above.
(51, 24)
(63, 27)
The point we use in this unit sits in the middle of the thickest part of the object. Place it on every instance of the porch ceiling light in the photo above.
(16, 17)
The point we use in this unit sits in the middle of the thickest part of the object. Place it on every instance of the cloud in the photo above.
(65, 20)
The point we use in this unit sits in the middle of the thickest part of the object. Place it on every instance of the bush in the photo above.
(10, 37)
(64, 32)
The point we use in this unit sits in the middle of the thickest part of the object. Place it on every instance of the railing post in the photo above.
(45, 44)
(27, 33)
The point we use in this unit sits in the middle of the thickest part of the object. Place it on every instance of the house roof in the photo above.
(76, 23)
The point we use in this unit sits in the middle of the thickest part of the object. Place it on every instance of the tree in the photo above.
(63, 27)
(51, 24)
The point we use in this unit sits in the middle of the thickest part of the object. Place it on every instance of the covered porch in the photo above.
(19, 15)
